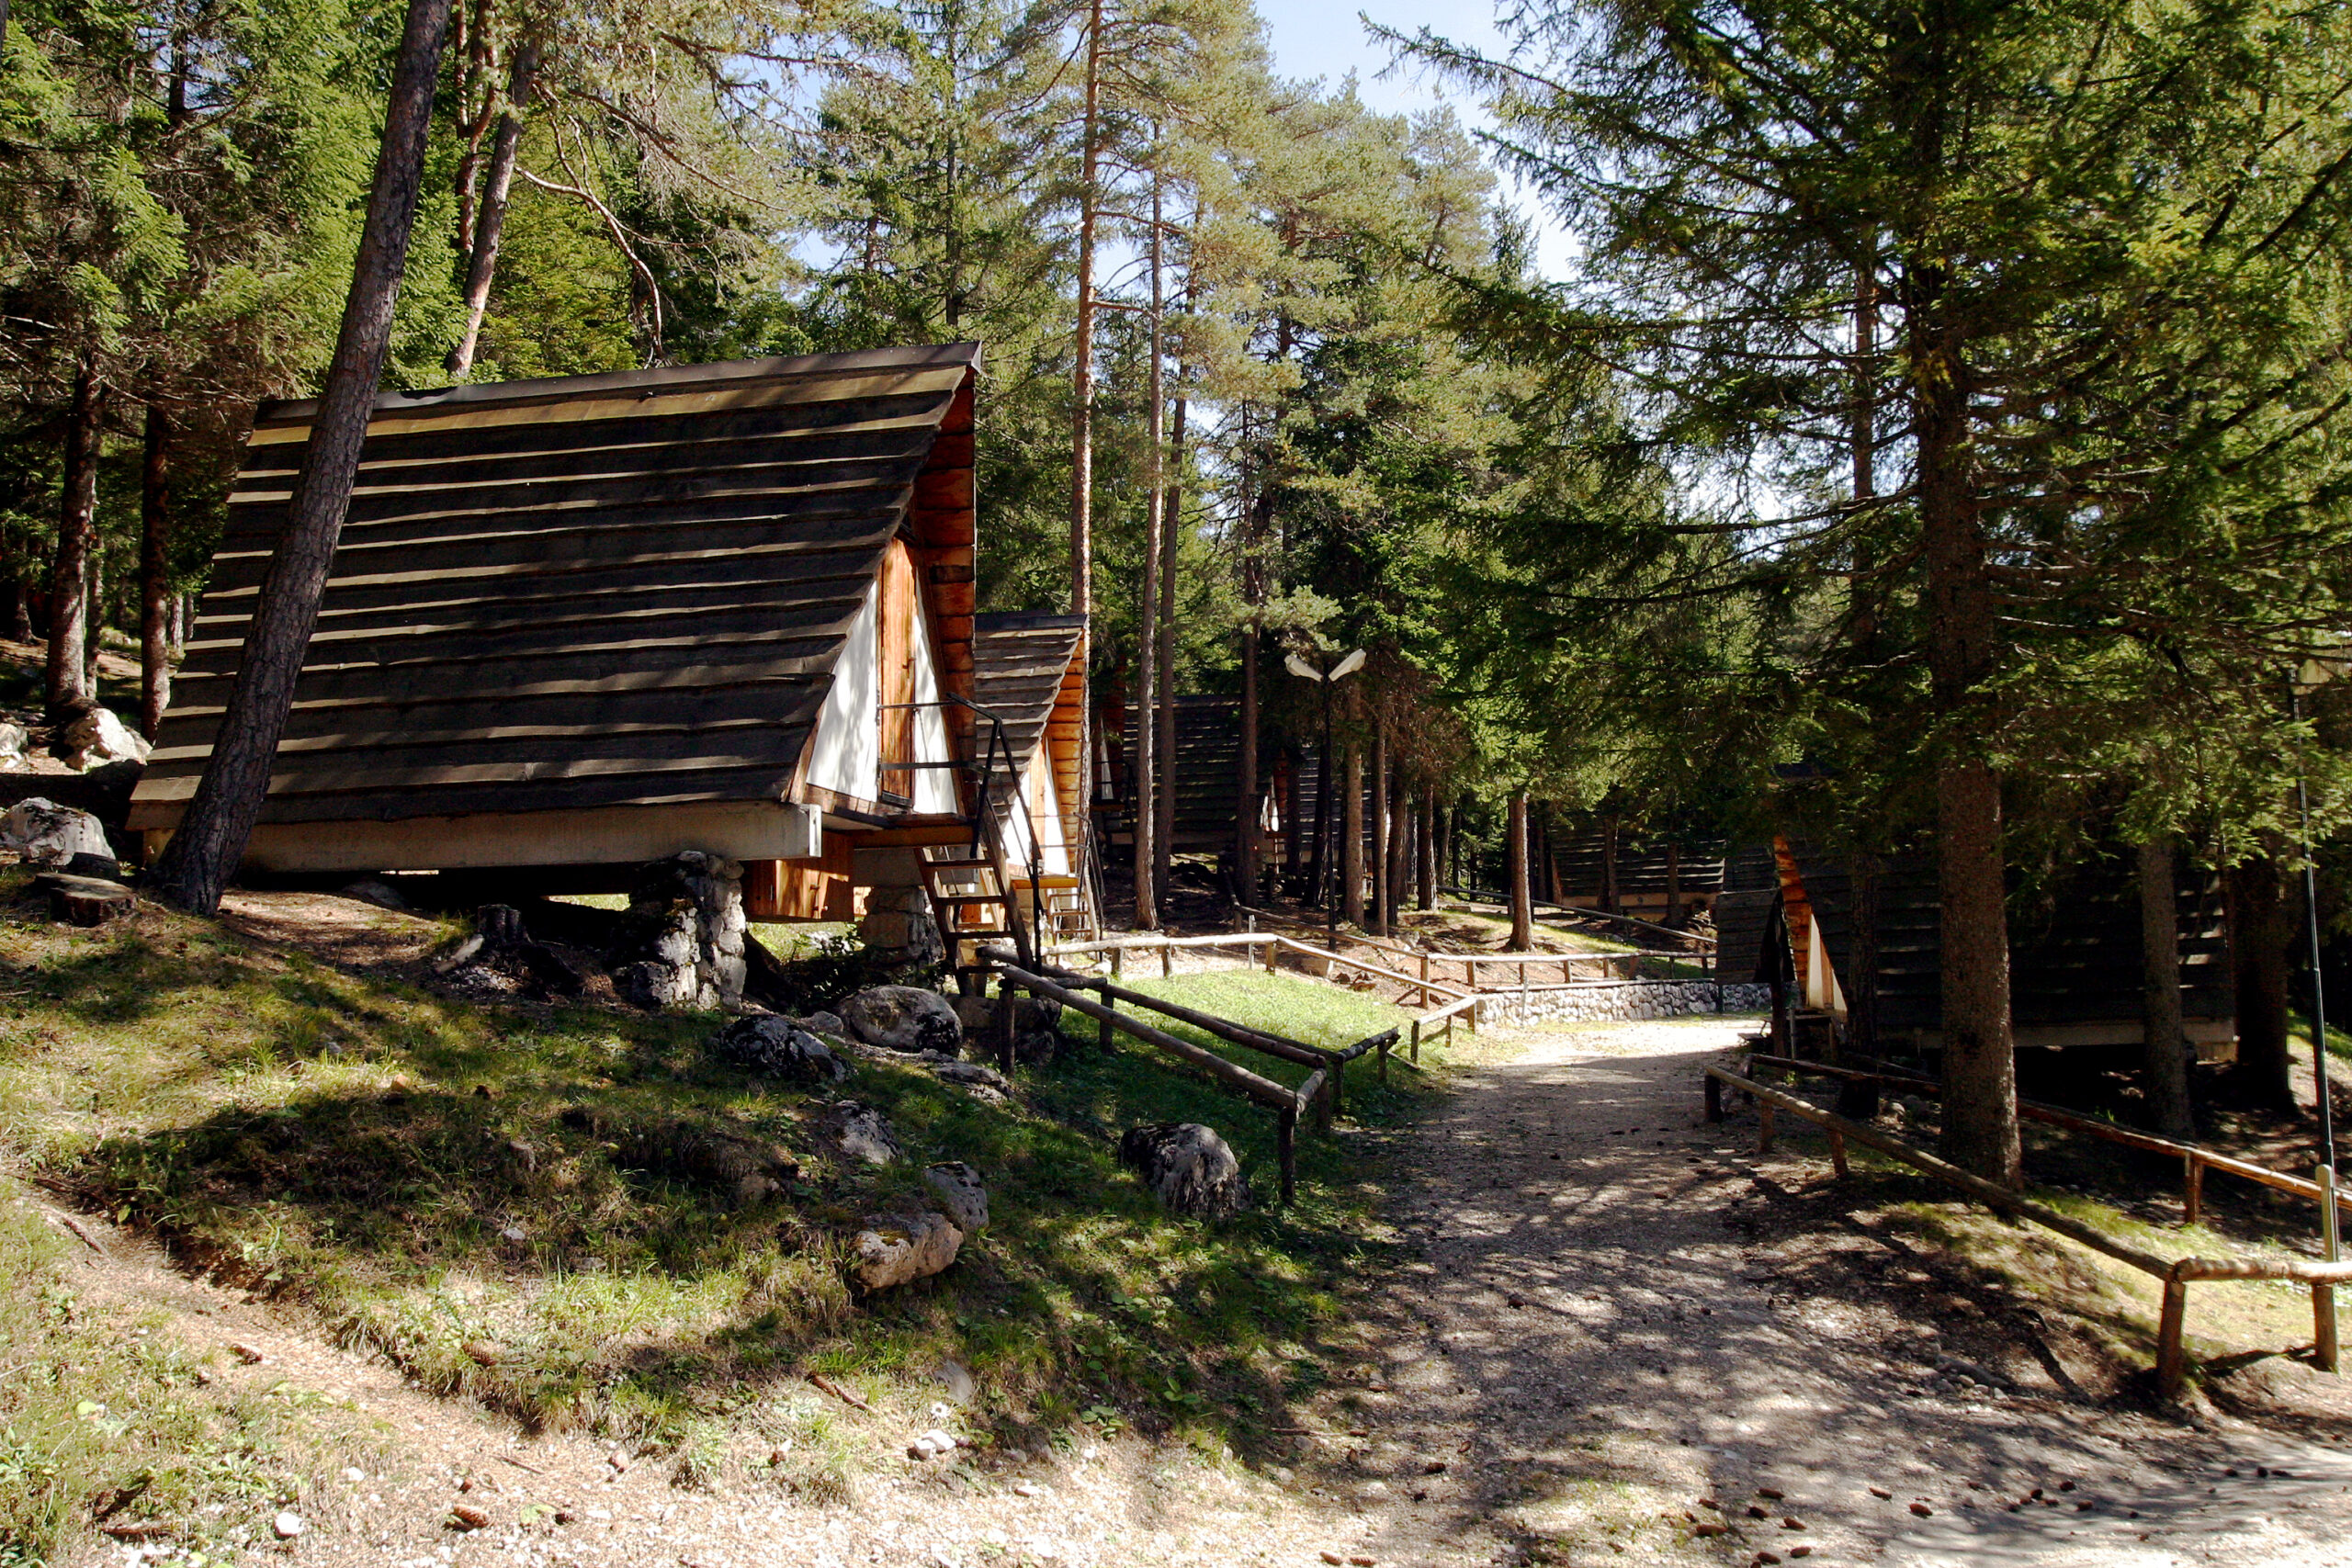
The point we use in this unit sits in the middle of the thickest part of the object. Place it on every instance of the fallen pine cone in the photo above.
(1921, 1509)
(466, 1518)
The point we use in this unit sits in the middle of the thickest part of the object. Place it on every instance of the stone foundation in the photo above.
(685, 928)
(1621, 1001)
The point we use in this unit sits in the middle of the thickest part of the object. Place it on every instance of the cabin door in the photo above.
(895, 652)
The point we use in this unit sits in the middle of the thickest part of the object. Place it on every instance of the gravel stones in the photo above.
(903, 1018)
(1188, 1167)
(961, 1193)
(894, 1249)
(779, 1048)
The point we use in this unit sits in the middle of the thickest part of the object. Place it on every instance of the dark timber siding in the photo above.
(595, 591)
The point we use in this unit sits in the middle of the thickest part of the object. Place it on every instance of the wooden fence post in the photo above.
(1714, 1098)
(1167, 959)
(1274, 951)
(1008, 1022)
(1103, 1024)
(1384, 1049)
(1763, 1126)
(2192, 1198)
(1287, 1150)
(1838, 1153)
(1119, 962)
(2170, 1361)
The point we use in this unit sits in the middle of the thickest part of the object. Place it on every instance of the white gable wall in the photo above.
(845, 754)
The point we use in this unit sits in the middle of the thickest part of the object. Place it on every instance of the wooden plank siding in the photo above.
(590, 591)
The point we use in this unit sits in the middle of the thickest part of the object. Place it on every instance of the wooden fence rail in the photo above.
(2175, 1275)
(2196, 1159)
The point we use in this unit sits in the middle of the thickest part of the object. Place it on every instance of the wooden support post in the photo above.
(1417, 1042)
(2324, 1345)
(1764, 1127)
(1274, 951)
(2171, 1362)
(1008, 1023)
(1714, 1098)
(1167, 960)
(1287, 1150)
(1838, 1153)
(1103, 1025)
(2192, 1194)
(1119, 962)
(1384, 1050)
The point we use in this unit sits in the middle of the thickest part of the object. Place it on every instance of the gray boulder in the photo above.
(99, 737)
(981, 1082)
(903, 1018)
(742, 1169)
(853, 1132)
(824, 1024)
(46, 833)
(961, 1193)
(1189, 1168)
(1037, 1026)
(776, 1047)
(14, 739)
(893, 1249)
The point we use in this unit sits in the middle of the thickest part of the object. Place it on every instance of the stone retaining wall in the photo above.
(1621, 1001)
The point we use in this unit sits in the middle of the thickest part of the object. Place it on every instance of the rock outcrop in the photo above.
(1188, 1167)
(779, 1048)
(961, 1193)
(48, 834)
(851, 1131)
(894, 1250)
(903, 1018)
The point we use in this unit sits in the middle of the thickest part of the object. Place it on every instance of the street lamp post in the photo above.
(1345, 666)
(2314, 672)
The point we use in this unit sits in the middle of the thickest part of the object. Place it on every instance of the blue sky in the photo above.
(1326, 39)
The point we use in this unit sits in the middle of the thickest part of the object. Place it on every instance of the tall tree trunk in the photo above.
(1081, 453)
(93, 614)
(1352, 839)
(482, 264)
(1246, 829)
(1609, 900)
(211, 838)
(69, 627)
(1170, 514)
(1320, 883)
(1400, 847)
(2165, 1062)
(1425, 856)
(154, 572)
(2259, 939)
(1381, 834)
(1522, 903)
(1148, 850)
(1980, 1124)
(1674, 882)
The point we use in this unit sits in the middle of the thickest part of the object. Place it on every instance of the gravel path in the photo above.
(1594, 1339)
(1594, 1330)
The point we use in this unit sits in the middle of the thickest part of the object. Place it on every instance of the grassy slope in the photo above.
(403, 1166)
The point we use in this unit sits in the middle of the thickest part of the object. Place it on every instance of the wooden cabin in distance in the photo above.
(578, 624)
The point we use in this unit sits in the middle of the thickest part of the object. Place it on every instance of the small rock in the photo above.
(354, 1474)
(1435, 1467)
(1332, 1557)
(892, 1249)
(769, 1044)
(1882, 1493)
(1190, 1168)
(1771, 1493)
(288, 1524)
(824, 1024)
(1800, 1551)
(958, 1379)
(1027, 1489)
(1792, 1524)
(246, 1354)
(466, 1517)
(855, 1132)
(961, 1193)
(1710, 1530)
(1755, 1512)
(1921, 1509)
(370, 890)
(98, 737)
(903, 1018)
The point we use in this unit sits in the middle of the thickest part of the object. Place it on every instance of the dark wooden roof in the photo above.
(1019, 663)
(1205, 770)
(593, 591)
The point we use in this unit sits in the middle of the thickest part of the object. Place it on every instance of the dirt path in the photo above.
(1590, 1345)
(1592, 1333)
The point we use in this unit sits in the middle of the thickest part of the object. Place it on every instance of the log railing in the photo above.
(2174, 1275)
(1321, 1092)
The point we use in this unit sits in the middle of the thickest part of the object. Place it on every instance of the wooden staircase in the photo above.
(972, 900)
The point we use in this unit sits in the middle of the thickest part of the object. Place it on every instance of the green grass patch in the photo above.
(480, 1193)
(2298, 1029)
